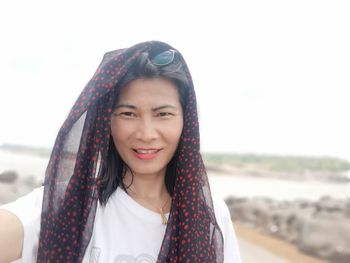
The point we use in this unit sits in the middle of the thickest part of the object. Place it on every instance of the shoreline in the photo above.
(276, 246)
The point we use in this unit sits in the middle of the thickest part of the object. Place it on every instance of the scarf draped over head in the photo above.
(72, 176)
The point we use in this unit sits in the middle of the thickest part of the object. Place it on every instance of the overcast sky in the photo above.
(270, 76)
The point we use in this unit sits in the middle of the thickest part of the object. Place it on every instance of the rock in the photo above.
(320, 228)
(253, 212)
(327, 239)
(8, 176)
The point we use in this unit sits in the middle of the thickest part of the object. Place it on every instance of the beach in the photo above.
(257, 247)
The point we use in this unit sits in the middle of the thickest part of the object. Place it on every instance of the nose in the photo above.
(146, 131)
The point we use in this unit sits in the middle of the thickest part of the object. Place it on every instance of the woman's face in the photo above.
(146, 124)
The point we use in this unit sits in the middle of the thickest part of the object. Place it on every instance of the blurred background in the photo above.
(272, 82)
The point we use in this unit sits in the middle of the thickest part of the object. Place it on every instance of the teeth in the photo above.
(146, 151)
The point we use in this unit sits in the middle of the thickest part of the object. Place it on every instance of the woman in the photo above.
(126, 181)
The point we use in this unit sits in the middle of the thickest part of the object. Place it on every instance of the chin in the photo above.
(155, 166)
(147, 170)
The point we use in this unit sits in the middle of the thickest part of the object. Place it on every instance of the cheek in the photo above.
(174, 131)
(118, 131)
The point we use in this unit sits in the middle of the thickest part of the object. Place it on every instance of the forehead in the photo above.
(146, 90)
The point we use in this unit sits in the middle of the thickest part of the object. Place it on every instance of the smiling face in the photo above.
(146, 124)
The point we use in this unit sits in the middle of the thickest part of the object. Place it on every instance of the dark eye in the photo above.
(127, 114)
(165, 114)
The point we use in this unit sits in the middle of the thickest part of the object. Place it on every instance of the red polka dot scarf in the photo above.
(71, 180)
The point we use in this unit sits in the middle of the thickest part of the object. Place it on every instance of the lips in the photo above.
(146, 154)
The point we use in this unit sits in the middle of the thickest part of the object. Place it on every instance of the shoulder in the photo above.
(221, 210)
(223, 218)
(27, 210)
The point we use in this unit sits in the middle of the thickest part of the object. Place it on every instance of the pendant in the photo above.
(162, 215)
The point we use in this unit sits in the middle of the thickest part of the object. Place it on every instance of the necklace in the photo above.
(162, 214)
(159, 209)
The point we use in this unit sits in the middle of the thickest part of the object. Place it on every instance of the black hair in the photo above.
(113, 168)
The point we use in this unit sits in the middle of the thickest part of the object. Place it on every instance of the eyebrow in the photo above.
(153, 109)
(163, 107)
(126, 106)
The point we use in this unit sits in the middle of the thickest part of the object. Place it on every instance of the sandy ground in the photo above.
(252, 253)
(256, 247)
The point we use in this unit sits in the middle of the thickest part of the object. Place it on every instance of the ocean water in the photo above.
(225, 185)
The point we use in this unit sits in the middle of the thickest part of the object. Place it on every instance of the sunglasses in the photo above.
(164, 58)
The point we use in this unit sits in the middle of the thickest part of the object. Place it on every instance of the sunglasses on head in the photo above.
(164, 58)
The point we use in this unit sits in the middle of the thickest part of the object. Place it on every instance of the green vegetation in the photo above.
(279, 163)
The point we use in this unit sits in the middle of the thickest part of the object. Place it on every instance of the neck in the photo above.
(146, 186)
(149, 190)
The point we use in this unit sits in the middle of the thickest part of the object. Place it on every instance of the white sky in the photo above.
(271, 76)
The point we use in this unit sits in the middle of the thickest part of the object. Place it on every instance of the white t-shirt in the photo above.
(124, 231)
